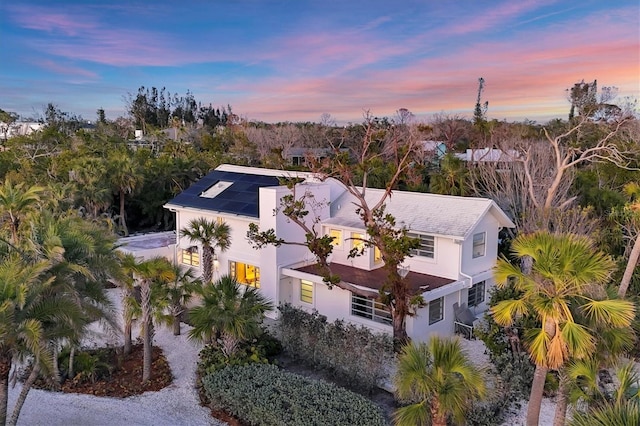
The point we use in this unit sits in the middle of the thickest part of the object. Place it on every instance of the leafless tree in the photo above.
(533, 183)
(450, 128)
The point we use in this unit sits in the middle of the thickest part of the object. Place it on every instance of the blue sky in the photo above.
(295, 60)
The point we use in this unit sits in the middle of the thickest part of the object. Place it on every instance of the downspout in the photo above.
(463, 274)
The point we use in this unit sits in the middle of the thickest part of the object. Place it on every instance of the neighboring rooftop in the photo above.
(148, 241)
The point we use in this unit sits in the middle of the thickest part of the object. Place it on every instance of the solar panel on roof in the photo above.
(240, 198)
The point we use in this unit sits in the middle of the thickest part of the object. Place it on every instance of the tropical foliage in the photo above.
(439, 382)
(209, 235)
(566, 282)
(228, 314)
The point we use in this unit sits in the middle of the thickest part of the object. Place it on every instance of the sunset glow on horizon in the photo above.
(294, 61)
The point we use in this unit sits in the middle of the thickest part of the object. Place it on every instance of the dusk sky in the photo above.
(295, 60)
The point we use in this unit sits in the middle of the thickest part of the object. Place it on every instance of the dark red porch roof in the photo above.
(418, 283)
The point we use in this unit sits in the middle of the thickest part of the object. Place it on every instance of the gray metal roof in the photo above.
(426, 213)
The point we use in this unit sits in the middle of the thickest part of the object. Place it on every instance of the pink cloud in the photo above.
(495, 15)
(66, 69)
(52, 21)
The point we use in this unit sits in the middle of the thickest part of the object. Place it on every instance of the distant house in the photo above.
(453, 265)
(19, 128)
(488, 155)
(299, 156)
(436, 148)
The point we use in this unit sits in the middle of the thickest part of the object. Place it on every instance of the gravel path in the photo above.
(476, 351)
(177, 404)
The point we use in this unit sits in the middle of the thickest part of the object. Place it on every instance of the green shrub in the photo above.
(261, 394)
(352, 353)
(90, 365)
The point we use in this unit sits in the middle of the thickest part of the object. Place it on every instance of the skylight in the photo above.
(215, 189)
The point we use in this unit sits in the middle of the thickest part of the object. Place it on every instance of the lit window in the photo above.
(306, 291)
(245, 274)
(337, 237)
(476, 294)
(427, 245)
(357, 241)
(190, 256)
(370, 309)
(435, 310)
(377, 256)
(479, 244)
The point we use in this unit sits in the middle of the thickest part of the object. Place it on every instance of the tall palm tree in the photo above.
(567, 273)
(125, 177)
(149, 271)
(228, 311)
(16, 201)
(439, 380)
(210, 235)
(126, 281)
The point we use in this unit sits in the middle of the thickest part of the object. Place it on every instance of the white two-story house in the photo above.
(458, 246)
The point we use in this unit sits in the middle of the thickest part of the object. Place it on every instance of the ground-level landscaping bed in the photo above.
(106, 372)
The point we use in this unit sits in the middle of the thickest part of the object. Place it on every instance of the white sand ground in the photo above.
(476, 351)
(175, 405)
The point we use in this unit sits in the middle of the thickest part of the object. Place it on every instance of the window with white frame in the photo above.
(357, 241)
(190, 256)
(436, 310)
(306, 291)
(245, 274)
(337, 237)
(377, 255)
(476, 294)
(479, 244)
(427, 245)
(370, 309)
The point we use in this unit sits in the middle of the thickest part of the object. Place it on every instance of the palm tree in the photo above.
(567, 274)
(611, 342)
(452, 177)
(210, 235)
(125, 177)
(617, 407)
(178, 291)
(148, 271)
(81, 255)
(126, 281)
(439, 381)
(624, 414)
(228, 311)
(30, 316)
(16, 202)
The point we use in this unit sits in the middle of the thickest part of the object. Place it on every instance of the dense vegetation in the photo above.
(69, 190)
(262, 394)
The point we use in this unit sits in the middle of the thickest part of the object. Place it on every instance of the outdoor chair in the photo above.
(463, 320)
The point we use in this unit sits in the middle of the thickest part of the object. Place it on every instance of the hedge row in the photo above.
(263, 395)
(353, 353)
